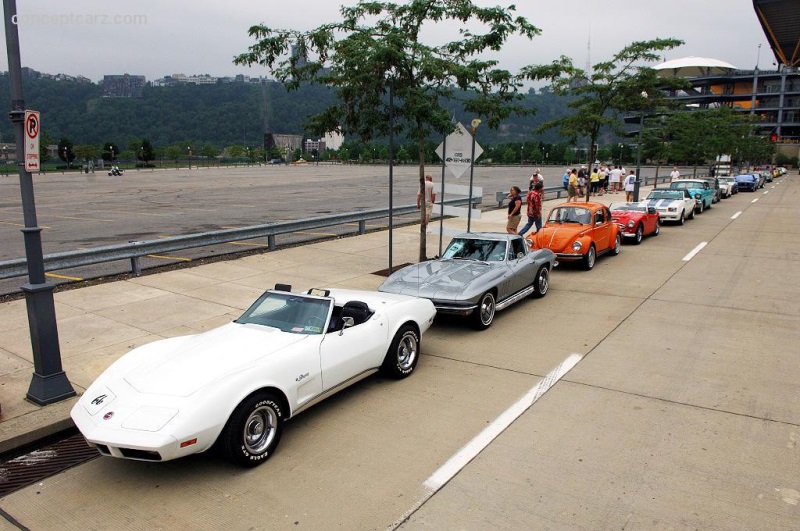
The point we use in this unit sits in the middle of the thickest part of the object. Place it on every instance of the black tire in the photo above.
(691, 215)
(541, 283)
(403, 354)
(590, 258)
(658, 229)
(701, 207)
(483, 315)
(639, 234)
(253, 430)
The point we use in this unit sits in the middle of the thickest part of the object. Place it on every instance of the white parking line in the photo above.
(736, 215)
(460, 459)
(754, 200)
(766, 192)
(694, 251)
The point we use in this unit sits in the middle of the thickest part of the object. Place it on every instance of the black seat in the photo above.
(358, 310)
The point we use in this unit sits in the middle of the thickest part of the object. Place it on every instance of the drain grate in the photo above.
(43, 460)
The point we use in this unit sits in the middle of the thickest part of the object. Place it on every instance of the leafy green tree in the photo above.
(87, 152)
(146, 153)
(612, 88)
(209, 152)
(65, 150)
(44, 153)
(173, 153)
(378, 47)
(110, 152)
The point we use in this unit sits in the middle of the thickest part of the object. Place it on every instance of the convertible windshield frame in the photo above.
(290, 312)
(570, 214)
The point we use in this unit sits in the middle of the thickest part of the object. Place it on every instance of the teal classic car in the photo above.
(702, 192)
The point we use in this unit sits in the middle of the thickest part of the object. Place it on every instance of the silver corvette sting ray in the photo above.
(478, 274)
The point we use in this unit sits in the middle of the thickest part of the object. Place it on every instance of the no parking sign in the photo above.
(32, 128)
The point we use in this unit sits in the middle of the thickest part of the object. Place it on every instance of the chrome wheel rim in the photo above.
(407, 350)
(590, 258)
(259, 429)
(487, 309)
(544, 283)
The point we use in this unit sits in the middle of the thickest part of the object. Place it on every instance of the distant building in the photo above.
(333, 140)
(124, 86)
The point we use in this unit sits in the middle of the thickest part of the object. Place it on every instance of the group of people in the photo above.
(601, 180)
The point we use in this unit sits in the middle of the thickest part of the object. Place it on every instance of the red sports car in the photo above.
(635, 220)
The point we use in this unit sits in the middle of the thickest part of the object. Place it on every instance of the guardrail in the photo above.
(133, 251)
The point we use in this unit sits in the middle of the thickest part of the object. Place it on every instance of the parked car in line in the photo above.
(747, 182)
(478, 274)
(733, 186)
(724, 188)
(761, 180)
(233, 387)
(699, 189)
(636, 220)
(767, 176)
(672, 204)
(578, 232)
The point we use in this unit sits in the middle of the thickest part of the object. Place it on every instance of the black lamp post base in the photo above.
(49, 389)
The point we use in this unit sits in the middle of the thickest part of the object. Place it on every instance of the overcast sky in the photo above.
(155, 38)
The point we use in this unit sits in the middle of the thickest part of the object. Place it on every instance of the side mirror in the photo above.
(651, 210)
(348, 322)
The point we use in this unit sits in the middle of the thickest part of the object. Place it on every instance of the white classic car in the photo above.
(672, 204)
(236, 385)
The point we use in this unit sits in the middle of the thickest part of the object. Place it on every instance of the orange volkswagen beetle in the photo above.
(578, 232)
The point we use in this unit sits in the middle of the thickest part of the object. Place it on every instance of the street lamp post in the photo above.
(521, 148)
(475, 123)
(49, 383)
(189, 150)
(638, 181)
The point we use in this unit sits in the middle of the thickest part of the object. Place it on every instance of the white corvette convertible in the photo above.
(236, 385)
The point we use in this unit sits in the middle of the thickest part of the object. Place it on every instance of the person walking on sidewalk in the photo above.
(534, 202)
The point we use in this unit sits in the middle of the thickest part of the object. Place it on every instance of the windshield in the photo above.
(665, 195)
(686, 185)
(749, 178)
(476, 249)
(627, 207)
(567, 214)
(289, 312)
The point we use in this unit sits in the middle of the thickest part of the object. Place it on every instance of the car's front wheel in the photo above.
(590, 258)
(637, 239)
(691, 215)
(483, 315)
(657, 229)
(701, 207)
(542, 282)
(401, 358)
(253, 430)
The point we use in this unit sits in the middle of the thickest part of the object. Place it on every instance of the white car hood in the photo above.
(184, 366)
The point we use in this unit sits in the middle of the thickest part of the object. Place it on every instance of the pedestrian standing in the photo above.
(594, 181)
(630, 183)
(429, 196)
(675, 174)
(534, 202)
(514, 208)
(572, 189)
(603, 175)
(565, 179)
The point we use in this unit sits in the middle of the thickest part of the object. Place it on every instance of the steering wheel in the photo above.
(314, 322)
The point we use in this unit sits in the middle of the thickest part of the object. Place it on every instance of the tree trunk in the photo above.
(423, 240)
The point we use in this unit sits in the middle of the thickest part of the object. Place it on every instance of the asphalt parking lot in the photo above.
(657, 391)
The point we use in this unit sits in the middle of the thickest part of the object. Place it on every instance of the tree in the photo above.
(44, 153)
(612, 88)
(145, 152)
(87, 152)
(377, 47)
(110, 152)
(65, 150)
